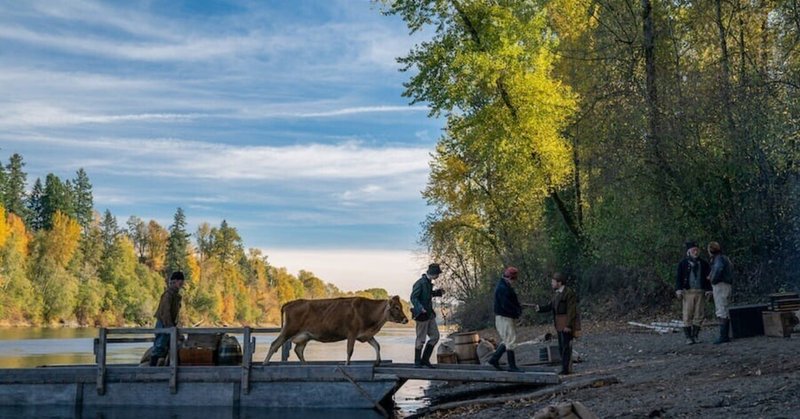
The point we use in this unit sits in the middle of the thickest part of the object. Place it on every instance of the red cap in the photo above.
(510, 272)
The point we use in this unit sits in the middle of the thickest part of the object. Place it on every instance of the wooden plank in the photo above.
(471, 375)
(475, 367)
(173, 360)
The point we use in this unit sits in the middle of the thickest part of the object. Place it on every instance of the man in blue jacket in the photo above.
(507, 310)
(691, 287)
(422, 312)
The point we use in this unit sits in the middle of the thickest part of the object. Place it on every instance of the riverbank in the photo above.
(627, 372)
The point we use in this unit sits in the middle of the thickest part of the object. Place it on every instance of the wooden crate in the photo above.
(778, 323)
(446, 358)
(196, 356)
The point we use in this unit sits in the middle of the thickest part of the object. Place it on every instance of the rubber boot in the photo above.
(417, 357)
(495, 359)
(425, 360)
(696, 334)
(687, 331)
(512, 362)
(724, 331)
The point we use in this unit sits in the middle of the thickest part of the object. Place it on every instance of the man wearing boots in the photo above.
(691, 287)
(564, 306)
(167, 316)
(721, 278)
(507, 310)
(422, 312)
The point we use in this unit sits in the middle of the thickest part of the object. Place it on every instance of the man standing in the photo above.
(422, 312)
(507, 310)
(167, 316)
(691, 286)
(564, 306)
(721, 278)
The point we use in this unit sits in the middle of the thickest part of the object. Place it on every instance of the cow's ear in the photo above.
(396, 298)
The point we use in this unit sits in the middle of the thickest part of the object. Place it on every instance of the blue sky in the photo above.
(285, 118)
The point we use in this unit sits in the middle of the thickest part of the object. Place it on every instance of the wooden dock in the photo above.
(321, 384)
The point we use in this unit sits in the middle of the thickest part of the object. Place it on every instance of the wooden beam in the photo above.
(471, 375)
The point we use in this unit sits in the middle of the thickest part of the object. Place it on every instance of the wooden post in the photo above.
(101, 363)
(247, 359)
(173, 360)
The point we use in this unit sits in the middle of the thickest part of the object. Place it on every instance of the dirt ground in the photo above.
(659, 376)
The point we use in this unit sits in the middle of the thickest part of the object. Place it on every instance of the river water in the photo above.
(25, 347)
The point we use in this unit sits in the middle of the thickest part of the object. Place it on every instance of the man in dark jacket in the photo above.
(507, 310)
(167, 316)
(564, 306)
(691, 286)
(721, 278)
(422, 312)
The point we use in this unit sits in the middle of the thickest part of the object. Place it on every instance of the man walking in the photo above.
(167, 316)
(691, 286)
(422, 312)
(721, 278)
(564, 306)
(507, 310)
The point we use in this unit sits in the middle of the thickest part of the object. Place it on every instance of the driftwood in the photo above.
(548, 391)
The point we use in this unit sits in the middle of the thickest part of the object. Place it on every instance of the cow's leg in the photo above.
(277, 343)
(351, 342)
(375, 345)
(300, 342)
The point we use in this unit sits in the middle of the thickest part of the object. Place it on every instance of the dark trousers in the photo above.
(161, 343)
(565, 348)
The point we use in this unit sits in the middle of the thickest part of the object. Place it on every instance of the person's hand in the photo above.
(679, 293)
(567, 330)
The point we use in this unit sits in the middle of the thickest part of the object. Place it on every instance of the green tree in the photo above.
(35, 219)
(177, 252)
(83, 199)
(14, 186)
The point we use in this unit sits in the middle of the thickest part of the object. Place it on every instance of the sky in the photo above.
(285, 118)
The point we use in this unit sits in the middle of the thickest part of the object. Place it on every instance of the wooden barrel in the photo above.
(466, 345)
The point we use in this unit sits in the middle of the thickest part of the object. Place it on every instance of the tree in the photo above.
(83, 200)
(177, 254)
(137, 232)
(14, 187)
(57, 197)
(36, 217)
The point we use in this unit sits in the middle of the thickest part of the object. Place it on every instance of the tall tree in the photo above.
(15, 183)
(56, 198)
(177, 256)
(35, 219)
(83, 200)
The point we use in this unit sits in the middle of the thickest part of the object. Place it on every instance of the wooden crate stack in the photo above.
(781, 318)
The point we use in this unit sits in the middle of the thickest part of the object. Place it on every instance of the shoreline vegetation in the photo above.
(64, 263)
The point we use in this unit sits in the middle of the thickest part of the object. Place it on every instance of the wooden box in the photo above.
(778, 323)
(446, 358)
(746, 320)
(549, 353)
(196, 356)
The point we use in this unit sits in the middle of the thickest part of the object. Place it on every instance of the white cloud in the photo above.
(355, 269)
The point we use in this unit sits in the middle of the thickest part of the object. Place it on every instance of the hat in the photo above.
(434, 269)
(714, 247)
(558, 276)
(510, 272)
(691, 244)
(176, 276)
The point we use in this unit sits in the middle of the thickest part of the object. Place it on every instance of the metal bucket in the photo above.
(229, 351)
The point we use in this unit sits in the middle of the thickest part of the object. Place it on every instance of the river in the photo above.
(24, 347)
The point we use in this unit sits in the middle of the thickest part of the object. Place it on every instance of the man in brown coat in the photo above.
(564, 306)
(167, 316)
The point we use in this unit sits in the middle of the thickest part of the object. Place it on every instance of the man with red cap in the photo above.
(507, 310)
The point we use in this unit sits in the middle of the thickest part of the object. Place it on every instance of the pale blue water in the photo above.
(31, 347)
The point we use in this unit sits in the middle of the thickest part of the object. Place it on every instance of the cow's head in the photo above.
(396, 311)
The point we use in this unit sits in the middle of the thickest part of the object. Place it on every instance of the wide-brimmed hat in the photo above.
(434, 269)
(691, 244)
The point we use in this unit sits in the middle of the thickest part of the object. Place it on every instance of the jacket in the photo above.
(684, 268)
(721, 270)
(168, 307)
(422, 297)
(506, 303)
(563, 303)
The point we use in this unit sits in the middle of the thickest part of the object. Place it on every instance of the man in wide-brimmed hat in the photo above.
(422, 312)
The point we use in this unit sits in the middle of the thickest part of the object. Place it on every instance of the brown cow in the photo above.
(335, 319)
